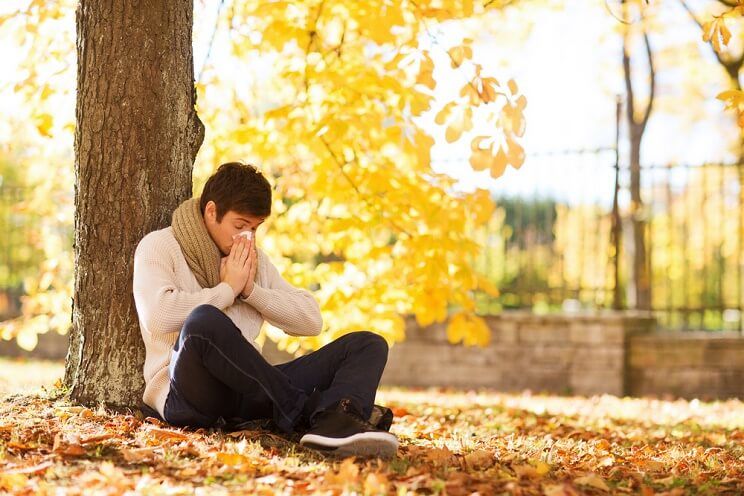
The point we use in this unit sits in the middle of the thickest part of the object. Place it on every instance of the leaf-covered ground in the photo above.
(452, 442)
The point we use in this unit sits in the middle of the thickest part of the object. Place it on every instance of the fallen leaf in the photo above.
(525, 471)
(652, 465)
(67, 445)
(233, 459)
(166, 434)
(32, 469)
(348, 474)
(592, 480)
(376, 483)
(98, 438)
(480, 459)
(559, 490)
(440, 456)
(399, 411)
(136, 455)
(13, 482)
(19, 446)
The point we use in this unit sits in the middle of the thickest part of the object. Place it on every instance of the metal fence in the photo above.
(557, 244)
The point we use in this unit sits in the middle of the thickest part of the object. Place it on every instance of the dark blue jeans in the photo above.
(215, 372)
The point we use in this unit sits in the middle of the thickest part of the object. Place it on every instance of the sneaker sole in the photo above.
(384, 445)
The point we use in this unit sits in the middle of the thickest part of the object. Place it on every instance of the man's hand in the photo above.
(252, 268)
(234, 268)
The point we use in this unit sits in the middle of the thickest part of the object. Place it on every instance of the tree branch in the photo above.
(364, 198)
(652, 74)
(733, 66)
(630, 99)
(211, 41)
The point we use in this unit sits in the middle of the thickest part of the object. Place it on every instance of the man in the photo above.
(202, 290)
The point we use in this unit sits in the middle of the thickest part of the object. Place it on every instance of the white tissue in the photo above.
(246, 234)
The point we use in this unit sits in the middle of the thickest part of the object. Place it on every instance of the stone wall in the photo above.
(51, 346)
(687, 364)
(579, 354)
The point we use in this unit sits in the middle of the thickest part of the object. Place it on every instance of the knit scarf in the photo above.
(199, 250)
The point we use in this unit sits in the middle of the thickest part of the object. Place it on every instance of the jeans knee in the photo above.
(203, 319)
(368, 339)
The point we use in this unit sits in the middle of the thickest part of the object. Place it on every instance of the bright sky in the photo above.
(569, 68)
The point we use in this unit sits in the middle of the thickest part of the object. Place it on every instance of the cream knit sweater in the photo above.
(166, 291)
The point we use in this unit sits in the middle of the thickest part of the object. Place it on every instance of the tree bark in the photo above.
(136, 139)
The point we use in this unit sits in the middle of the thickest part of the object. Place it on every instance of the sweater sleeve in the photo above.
(161, 305)
(294, 310)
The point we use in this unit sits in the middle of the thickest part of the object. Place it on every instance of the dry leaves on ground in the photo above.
(452, 443)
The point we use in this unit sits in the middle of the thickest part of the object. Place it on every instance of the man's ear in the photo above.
(209, 210)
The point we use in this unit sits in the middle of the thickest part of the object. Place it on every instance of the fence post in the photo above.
(616, 227)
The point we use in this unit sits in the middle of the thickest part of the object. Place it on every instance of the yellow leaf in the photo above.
(476, 142)
(515, 153)
(468, 328)
(44, 124)
(733, 98)
(426, 72)
(521, 102)
(485, 285)
(474, 98)
(498, 166)
(459, 54)
(423, 143)
(483, 206)
(232, 459)
(420, 103)
(442, 115)
(708, 29)
(46, 92)
(452, 133)
(13, 482)
(513, 87)
(488, 92)
(725, 33)
(542, 468)
(481, 159)
(516, 120)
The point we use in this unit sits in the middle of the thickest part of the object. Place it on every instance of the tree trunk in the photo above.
(640, 296)
(136, 139)
(641, 269)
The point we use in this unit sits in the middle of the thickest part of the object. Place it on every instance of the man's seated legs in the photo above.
(216, 372)
(348, 367)
(212, 365)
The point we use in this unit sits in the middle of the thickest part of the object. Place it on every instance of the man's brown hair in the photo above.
(239, 187)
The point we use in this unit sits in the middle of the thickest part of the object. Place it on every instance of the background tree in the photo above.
(637, 116)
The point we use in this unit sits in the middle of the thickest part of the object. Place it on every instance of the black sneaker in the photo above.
(341, 430)
(381, 417)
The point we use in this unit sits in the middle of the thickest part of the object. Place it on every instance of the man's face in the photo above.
(232, 223)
